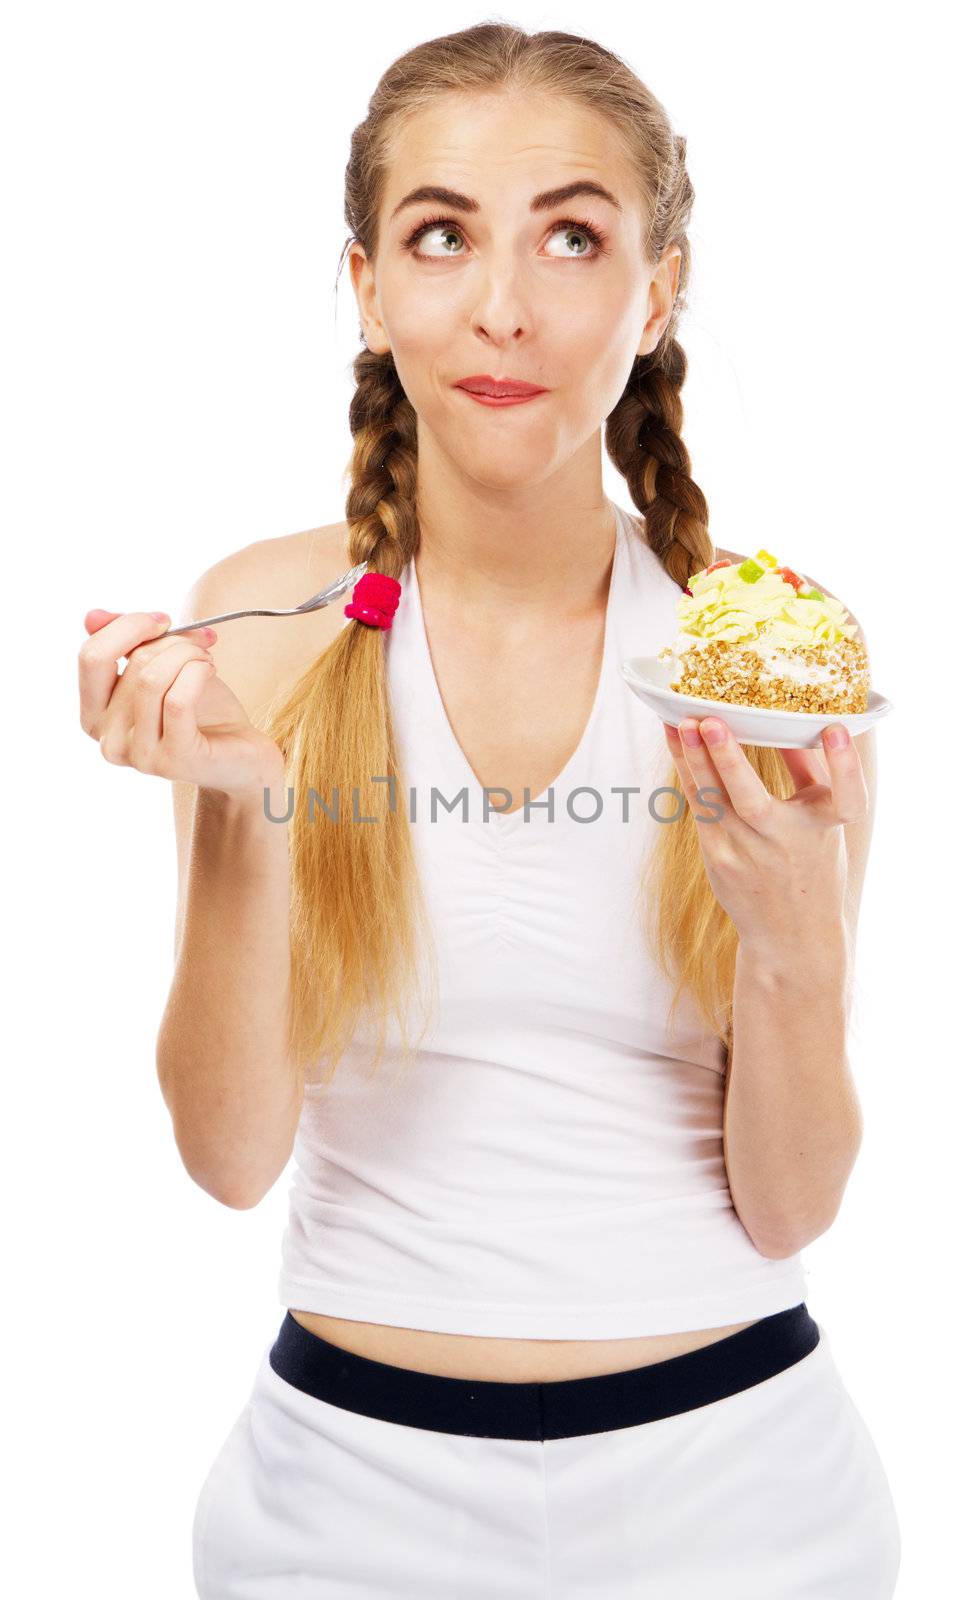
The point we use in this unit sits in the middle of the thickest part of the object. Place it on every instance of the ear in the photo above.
(366, 292)
(663, 293)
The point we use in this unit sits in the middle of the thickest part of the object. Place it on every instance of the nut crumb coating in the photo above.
(722, 670)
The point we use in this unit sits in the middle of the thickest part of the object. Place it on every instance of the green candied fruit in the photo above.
(750, 570)
(811, 594)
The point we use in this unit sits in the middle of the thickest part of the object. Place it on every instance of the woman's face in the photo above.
(509, 288)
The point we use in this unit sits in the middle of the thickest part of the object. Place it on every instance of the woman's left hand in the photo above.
(778, 867)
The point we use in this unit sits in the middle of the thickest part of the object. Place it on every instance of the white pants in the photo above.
(775, 1492)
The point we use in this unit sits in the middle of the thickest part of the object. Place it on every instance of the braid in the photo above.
(383, 467)
(363, 951)
(687, 930)
(643, 439)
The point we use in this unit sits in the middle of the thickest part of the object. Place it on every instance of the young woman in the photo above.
(545, 1328)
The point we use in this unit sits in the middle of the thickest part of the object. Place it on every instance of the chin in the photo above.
(515, 473)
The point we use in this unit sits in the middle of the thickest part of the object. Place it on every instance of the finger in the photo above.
(718, 759)
(97, 618)
(805, 766)
(113, 635)
(683, 772)
(156, 680)
(689, 782)
(97, 669)
(849, 790)
(181, 713)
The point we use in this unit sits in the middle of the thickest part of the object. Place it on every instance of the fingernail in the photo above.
(837, 738)
(691, 736)
(714, 732)
(159, 616)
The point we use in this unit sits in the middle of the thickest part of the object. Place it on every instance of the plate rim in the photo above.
(881, 706)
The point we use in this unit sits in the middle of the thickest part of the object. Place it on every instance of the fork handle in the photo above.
(227, 616)
(334, 591)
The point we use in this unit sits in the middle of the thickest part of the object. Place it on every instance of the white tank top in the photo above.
(550, 1165)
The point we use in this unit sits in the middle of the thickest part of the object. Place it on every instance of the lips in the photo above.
(498, 388)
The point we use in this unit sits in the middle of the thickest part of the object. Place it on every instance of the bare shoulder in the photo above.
(258, 657)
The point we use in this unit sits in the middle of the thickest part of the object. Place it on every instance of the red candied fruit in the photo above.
(790, 576)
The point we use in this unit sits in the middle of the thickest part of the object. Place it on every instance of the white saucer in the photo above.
(800, 730)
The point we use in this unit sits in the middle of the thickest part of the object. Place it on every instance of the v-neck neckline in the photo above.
(505, 821)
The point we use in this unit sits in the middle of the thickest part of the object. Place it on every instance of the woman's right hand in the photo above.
(168, 713)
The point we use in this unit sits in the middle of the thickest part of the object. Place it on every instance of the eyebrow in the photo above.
(547, 200)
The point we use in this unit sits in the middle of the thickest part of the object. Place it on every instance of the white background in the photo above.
(176, 383)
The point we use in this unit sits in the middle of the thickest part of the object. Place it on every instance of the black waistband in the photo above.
(556, 1409)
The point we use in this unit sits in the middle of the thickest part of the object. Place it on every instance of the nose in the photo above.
(501, 311)
(498, 334)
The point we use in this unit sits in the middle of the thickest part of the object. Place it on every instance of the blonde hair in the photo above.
(358, 924)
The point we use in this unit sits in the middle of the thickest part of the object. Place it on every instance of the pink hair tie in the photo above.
(374, 600)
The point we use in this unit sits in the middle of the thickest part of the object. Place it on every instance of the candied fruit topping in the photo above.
(738, 602)
(791, 577)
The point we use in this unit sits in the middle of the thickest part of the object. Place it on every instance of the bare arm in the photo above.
(793, 1123)
(222, 1064)
(221, 1056)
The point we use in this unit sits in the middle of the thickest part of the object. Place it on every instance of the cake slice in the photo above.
(757, 634)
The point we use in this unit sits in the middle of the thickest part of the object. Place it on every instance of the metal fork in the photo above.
(334, 591)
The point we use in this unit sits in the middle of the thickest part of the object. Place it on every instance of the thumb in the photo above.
(806, 766)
